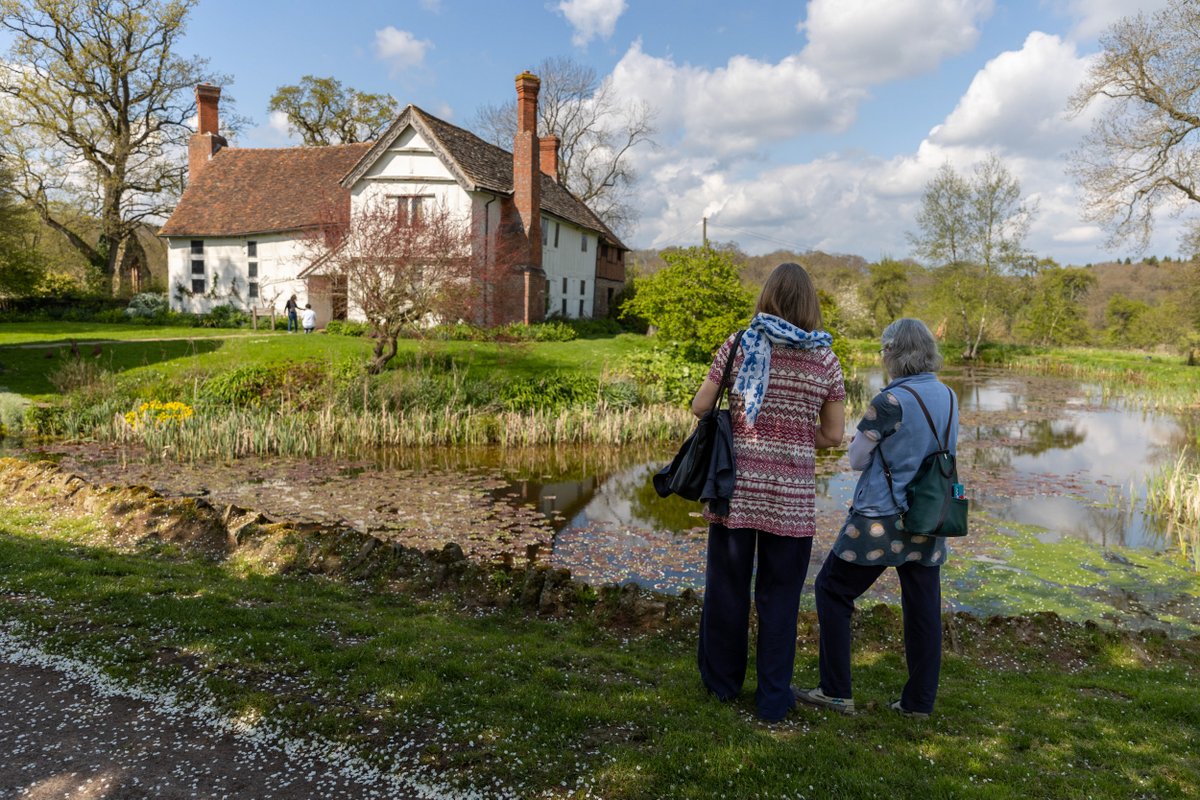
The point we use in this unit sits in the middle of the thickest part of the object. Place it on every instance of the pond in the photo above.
(1056, 477)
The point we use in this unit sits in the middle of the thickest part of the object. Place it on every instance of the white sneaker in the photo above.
(815, 697)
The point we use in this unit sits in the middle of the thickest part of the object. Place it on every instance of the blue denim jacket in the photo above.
(907, 447)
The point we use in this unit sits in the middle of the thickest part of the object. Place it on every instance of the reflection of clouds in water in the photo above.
(1116, 446)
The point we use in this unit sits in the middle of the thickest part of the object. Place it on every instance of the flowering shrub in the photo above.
(158, 414)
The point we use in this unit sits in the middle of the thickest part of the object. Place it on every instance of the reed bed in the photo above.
(1174, 494)
(1135, 388)
(340, 432)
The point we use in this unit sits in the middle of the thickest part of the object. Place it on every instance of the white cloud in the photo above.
(1093, 17)
(735, 109)
(592, 18)
(278, 123)
(862, 42)
(1080, 234)
(1017, 102)
(400, 48)
(433, 6)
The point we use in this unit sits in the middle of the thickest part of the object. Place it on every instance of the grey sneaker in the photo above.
(904, 712)
(815, 697)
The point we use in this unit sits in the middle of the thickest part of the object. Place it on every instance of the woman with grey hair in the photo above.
(893, 439)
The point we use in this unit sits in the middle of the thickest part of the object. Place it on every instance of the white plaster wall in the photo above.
(409, 167)
(280, 259)
(568, 260)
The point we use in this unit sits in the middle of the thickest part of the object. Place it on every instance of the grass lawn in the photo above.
(123, 349)
(504, 703)
(52, 333)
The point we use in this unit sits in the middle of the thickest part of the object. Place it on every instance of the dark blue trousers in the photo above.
(839, 584)
(725, 618)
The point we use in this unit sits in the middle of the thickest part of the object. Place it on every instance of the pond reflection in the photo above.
(1032, 450)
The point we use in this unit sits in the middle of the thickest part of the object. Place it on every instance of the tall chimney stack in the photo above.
(527, 195)
(549, 155)
(207, 139)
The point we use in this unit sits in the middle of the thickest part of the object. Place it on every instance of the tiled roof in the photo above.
(250, 190)
(481, 166)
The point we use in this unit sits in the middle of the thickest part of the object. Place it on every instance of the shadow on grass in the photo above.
(27, 369)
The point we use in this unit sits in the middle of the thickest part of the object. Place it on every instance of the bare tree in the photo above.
(596, 132)
(401, 271)
(1143, 151)
(324, 112)
(97, 107)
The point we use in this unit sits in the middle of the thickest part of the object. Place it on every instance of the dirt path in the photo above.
(68, 732)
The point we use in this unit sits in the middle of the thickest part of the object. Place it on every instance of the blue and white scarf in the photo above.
(764, 332)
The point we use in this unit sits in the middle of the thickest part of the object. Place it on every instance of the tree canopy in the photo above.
(973, 230)
(322, 111)
(697, 300)
(596, 135)
(98, 107)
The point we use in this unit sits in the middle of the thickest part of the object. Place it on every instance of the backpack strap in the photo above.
(944, 441)
(887, 470)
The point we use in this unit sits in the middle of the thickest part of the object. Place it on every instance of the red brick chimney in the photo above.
(527, 195)
(207, 139)
(549, 155)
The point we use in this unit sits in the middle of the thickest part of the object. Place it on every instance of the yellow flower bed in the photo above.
(158, 414)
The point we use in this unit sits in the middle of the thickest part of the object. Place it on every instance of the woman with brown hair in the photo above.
(787, 401)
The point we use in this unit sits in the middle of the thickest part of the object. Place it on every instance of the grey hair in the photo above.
(909, 348)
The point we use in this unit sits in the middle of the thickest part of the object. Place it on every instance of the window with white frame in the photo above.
(197, 270)
(583, 242)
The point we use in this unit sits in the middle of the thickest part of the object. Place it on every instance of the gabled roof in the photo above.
(245, 191)
(478, 166)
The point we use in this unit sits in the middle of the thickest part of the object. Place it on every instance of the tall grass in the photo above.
(1174, 494)
(341, 432)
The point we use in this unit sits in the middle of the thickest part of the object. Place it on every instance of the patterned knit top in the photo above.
(775, 485)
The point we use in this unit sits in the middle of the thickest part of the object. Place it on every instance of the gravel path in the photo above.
(67, 731)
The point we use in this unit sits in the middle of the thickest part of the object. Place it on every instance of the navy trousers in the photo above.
(725, 618)
(839, 584)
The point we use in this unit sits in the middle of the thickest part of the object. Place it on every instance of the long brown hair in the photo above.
(789, 293)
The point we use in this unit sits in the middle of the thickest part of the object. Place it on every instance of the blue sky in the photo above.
(813, 125)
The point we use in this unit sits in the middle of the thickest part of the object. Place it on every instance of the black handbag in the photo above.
(703, 469)
(936, 506)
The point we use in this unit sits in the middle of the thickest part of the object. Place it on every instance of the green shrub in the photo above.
(666, 375)
(225, 316)
(553, 331)
(341, 327)
(595, 328)
(12, 414)
(459, 332)
(147, 306)
(552, 392)
(44, 419)
(620, 394)
(247, 385)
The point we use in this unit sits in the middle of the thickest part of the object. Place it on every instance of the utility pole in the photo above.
(704, 235)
